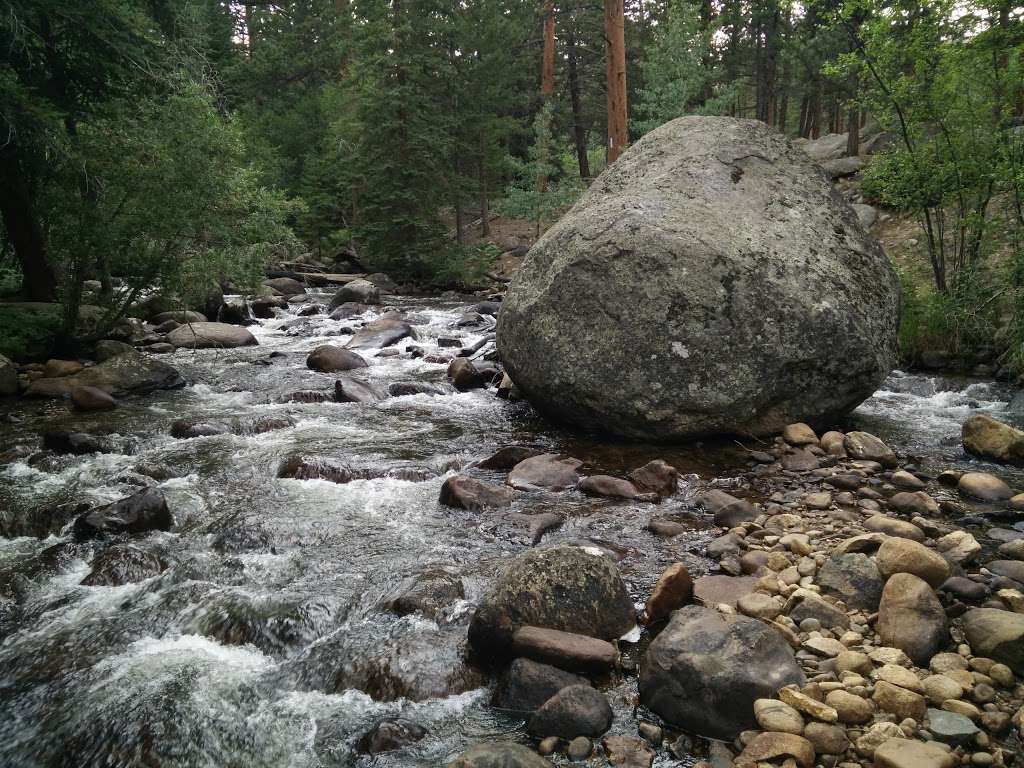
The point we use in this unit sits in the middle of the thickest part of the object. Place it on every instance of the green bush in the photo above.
(28, 335)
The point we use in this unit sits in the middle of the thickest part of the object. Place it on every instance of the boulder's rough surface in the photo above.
(990, 439)
(668, 263)
(330, 359)
(211, 336)
(911, 618)
(502, 754)
(144, 511)
(130, 373)
(706, 669)
(998, 635)
(564, 588)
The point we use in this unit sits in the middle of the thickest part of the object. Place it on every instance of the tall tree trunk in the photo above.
(485, 207)
(250, 28)
(547, 73)
(853, 132)
(23, 228)
(615, 64)
(579, 132)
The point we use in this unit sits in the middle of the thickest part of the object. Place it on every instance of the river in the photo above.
(257, 645)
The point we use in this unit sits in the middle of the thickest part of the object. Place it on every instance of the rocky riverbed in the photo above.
(264, 567)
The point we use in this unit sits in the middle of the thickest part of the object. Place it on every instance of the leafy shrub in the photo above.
(27, 334)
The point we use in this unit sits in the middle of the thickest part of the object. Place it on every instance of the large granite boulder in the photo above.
(711, 281)
(211, 336)
(706, 669)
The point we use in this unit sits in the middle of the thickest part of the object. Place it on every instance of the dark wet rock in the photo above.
(730, 544)
(504, 459)
(357, 291)
(108, 348)
(157, 471)
(566, 338)
(427, 664)
(123, 564)
(565, 650)
(728, 511)
(527, 684)
(563, 588)
(129, 373)
(38, 521)
(997, 634)
(488, 308)
(389, 735)
(845, 481)
(309, 396)
(657, 477)
(140, 513)
(231, 312)
(853, 578)
(315, 468)
(430, 593)
(264, 306)
(825, 613)
(351, 390)
(443, 341)
(211, 336)
(964, 589)
(78, 443)
(464, 375)
(272, 623)
(800, 461)
(911, 618)
(605, 485)
(548, 471)
(262, 424)
(386, 330)
(348, 310)
(243, 537)
(466, 493)
(500, 754)
(330, 359)
(704, 671)
(285, 286)
(578, 710)
(184, 429)
(407, 388)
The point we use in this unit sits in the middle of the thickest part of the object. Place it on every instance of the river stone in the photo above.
(998, 635)
(55, 368)
(502, 754)
(984, 486)
(608, 486)
(706, 669)
(122, 564)
(914, 503)
(178, 316)
(389, 735)
(78, 443)
(348, 389)
(911, 618)
(990, 439)
(467, 493)
(129, 373)
(687, 230)
(950, 727)
(908, 753)
(285, 286)
(827, 739)
(958, 546)
(775, 715)
(566, 650)
(357, 291)
(673, 590)
(577, 710)
(211, 336)
(527, 684)
(899, 555)
(728, 511)
(892, 526)
(86, 398)
(810, 606)
(853, 578)
(867, 447)
(657, 477)
(1010, 569)
(850, 708)
(565, 588)
(899, 701)
(330, 359)
(549, 471)
(505, 458)
(385, 331)
(142, 512)
(718, 589)
(629, 751)
(770, 745)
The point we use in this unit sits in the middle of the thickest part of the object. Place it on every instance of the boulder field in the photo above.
(848, 623)
(711, 281)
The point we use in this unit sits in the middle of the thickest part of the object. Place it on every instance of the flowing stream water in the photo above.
(268, 640)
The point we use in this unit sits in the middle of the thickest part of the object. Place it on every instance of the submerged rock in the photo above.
(123, 564)
(143, 512)
(706, 669)
(710, 281)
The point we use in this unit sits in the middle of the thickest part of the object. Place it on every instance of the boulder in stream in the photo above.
(140, 513)
(988, 438)
(710, 281)
(330, 359)
(386, 330)
(211, 336)
(127, 373)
